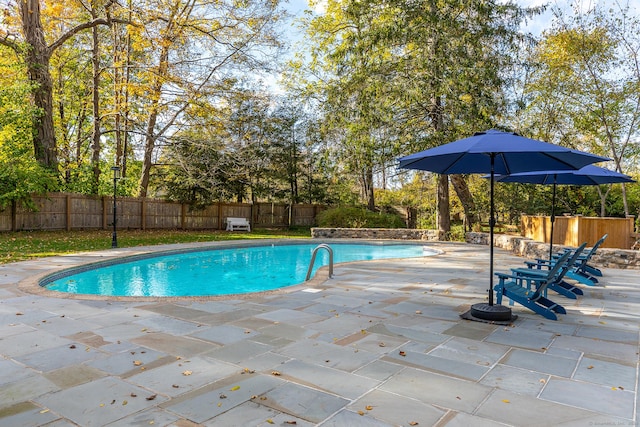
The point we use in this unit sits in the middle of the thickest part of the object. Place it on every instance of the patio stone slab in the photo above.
(522, 410)
(183, 375)
(25, 389)
(396, 410)
(303, 402)
(207, 405)
(606, 373)
(71, 376)
(517, 380)
(25, 415)
(617, 351)
(98, 402)
(436, 364)
(540, 362)
(470, 351)
(173, 345)
(437, 389)
(59, 357)
(223, 334)
(613, 401)
(353, 419)
(253, 414)
(337, 382)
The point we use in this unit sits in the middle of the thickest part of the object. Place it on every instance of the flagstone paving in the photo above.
(379, 344)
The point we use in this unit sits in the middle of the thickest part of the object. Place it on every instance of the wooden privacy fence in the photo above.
(65, 211)
(575, 230)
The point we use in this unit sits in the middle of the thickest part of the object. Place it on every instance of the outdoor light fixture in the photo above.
(116, 176)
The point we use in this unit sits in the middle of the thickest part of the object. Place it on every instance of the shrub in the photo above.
(354, 217)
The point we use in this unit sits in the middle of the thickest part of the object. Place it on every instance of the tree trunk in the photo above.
(466, 198)
(37, 57)
(97, 133)
(444, 214)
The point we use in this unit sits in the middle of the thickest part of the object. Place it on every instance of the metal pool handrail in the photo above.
(313, 259)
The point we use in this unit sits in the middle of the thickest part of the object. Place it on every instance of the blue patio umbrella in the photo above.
(496, 152)
(588, 175)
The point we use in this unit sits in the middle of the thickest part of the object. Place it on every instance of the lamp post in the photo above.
(116, 176)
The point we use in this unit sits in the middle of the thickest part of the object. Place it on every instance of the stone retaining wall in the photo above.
(525, 247)
(374, 233)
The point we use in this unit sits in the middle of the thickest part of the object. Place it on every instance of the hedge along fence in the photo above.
(67, 211)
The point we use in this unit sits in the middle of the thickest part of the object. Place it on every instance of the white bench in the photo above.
(234, 224)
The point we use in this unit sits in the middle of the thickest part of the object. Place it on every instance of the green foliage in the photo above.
(355, 217)
(20, 174)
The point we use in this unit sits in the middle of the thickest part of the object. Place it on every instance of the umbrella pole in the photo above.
(553, 215)
(492, 223)
(484, 312)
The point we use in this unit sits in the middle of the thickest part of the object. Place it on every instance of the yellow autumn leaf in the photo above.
(44, 411)
(235, 387)
(137, 362)
(360, 412)
(506, 400)
(270, 421)
(368, 407)
(187, 373)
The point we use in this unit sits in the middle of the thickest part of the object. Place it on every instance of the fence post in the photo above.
(14, 215)
(104, 213)
(219, 216)
(183, 214)
(143, 214)
(68, 208)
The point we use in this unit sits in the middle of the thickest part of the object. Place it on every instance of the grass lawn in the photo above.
(24, 245)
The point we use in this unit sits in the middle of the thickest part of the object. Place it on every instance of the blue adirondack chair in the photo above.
(529, 290)
(558, 284)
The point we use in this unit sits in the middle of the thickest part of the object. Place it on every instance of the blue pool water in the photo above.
(236, 270)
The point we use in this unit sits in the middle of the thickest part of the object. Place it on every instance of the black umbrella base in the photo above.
(484, 312)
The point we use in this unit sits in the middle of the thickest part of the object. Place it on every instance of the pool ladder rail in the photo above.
(313, 259)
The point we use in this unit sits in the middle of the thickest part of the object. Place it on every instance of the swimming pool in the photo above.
(216, 271)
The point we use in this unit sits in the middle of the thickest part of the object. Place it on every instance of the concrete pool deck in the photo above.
(379, 344)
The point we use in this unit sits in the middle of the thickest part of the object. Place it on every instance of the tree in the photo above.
(36, 51)
(585, 90)
(195, 48)
(404, 75)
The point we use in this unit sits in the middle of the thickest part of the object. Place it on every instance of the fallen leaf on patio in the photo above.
(506, 400)
(363, 332)
(270, 421)
(413, 423)
(152, 422)
(291, 422)
(247, 331)
(402, 353)
(175, 386)
(620, 387)
(87, 349)
(255, 396)
(263, 397)
(142, 368)
(614, 388)
(19, 314)
(368, 407)
(382, 344)
(178, 357)
(44, 411)
(133, 395)
(102, 405)
(276, 373)
(361, 413)
(590, 367)
(152, 397)
(219, 404)
(223, 396)
(137, 362)
(248, 371)
(113, 401)
(187, 373)
(602, 323)
(143, 330)
(418, 312)
(543, 381)
(124, 402)
(235, 387)
(72, 346)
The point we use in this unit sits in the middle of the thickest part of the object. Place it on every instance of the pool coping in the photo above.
(33, 284)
